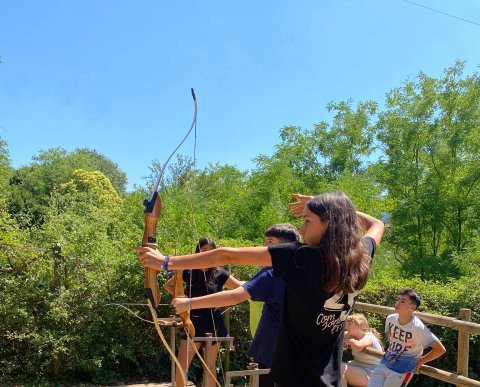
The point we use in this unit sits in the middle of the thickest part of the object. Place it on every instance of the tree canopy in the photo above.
(68, 225)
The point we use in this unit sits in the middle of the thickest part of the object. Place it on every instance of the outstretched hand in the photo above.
(296, 208)
(181, 304)
(150, 257)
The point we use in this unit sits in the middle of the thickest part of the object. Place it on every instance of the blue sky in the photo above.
(115, 75)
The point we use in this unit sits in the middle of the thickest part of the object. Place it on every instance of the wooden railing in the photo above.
(461, 324)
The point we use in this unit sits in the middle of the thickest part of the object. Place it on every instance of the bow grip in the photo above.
(153, 208)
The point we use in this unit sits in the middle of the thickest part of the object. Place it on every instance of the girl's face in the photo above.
(206, 247)
(313, 229)
(352, 329)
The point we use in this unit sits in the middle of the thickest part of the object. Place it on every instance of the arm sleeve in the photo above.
(387, 320)
(221, 277)
(427, 337)
(370, 245)
(263, 286)
(282, 258)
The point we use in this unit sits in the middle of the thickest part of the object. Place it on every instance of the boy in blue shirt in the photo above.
(407, 338)
(263, 286)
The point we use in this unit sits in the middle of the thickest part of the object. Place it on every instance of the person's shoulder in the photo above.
(393, 316)
(264, 275)
(286, 246)
(369, 244)
(368, 240)
(418, 323)
(265, 270)
(221, 273)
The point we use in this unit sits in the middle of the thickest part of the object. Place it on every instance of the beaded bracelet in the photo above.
(165, 263)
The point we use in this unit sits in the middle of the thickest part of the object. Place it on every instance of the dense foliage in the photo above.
(68, 226)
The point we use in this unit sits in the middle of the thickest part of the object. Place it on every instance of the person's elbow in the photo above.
(439, 349)
(239, 295)
(376, 231)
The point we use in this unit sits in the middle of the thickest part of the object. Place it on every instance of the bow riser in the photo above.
(153, 208)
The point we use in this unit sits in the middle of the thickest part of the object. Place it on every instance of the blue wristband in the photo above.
(190, 300)
(165, 263)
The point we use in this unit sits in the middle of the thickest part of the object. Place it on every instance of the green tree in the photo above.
(32, 185)
(430, 136)
(319, 156)
(5, 169)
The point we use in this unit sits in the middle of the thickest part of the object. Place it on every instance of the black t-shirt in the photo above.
(199, 284)
(202, 284)
(310, 341)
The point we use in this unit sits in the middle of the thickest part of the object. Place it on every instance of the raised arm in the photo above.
(296, 208)
(437, 350)
(373, 227)
(215, 300)
(252, 256)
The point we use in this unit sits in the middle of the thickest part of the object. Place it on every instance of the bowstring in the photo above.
(194, 223)
(195, 232)
(156, 186)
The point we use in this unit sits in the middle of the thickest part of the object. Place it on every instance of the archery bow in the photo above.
(153, 209)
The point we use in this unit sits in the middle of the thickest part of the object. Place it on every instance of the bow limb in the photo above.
(153, 311)
(153, 209)
(179, 292)
(189, 327)
(192, 344)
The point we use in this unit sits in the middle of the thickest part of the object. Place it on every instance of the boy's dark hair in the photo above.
(285, 232)
(412, 295)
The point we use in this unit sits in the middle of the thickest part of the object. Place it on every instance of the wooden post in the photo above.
(208, 359)
(226, 363)
(463, 345)
(254, 379)
(226, 319)
(172, 330)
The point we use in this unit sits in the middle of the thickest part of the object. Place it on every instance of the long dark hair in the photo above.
(347, 261)
(209, 275)
(205, 241)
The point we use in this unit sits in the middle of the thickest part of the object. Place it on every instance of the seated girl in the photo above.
(358, 336)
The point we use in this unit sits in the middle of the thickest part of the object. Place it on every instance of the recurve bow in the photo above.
(153, 209)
